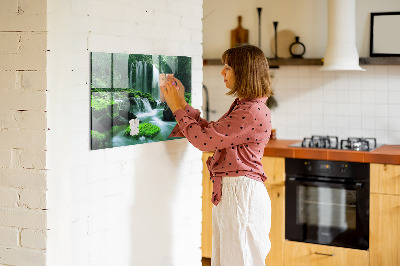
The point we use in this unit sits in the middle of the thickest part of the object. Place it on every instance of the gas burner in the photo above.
(332, 142)
(327, 142)
(358, 144)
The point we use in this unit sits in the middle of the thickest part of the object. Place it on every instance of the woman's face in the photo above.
(229, 76)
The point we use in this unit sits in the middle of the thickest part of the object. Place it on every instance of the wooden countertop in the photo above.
(389, 154)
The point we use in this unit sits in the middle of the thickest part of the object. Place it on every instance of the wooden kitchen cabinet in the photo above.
(305, 254)
(385, 178)
(274, 168)
(384, 236)
(277, 233)
(206, 225)
(385, 215)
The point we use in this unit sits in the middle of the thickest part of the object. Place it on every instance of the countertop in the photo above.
(387, 154)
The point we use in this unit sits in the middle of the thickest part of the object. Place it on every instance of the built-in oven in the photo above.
(327, 202)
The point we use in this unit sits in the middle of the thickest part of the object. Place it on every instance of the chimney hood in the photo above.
(341, 51)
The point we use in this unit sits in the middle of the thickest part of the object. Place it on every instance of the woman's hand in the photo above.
(174, 93)
(181, 91)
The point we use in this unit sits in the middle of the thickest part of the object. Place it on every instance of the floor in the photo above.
(206, 261)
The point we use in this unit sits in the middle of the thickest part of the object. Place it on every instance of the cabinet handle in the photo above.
(324, 254)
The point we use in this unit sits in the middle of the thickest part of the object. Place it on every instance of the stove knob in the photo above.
(308, 166)
(343, 168)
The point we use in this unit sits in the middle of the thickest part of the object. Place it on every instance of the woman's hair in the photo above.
(250, 66)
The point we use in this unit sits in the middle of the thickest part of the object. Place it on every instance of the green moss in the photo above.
(148, 130)
(145, 129)
(128, 130)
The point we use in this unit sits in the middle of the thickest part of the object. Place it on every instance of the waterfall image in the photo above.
(112, 109)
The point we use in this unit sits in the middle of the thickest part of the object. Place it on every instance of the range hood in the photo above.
(341, 51)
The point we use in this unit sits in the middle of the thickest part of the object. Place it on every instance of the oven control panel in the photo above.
(337, 169)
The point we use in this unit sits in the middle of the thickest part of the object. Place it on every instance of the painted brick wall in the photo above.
(23, 128)
(134, 205)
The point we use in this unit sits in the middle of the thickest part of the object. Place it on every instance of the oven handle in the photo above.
(357, 185)
(324, 254)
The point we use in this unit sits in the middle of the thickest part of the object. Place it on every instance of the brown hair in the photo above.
(250, 66)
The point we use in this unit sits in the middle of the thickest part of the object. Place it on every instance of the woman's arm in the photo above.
(239, 127)
(174, 93)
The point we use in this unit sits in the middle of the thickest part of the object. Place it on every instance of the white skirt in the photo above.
(241, 223)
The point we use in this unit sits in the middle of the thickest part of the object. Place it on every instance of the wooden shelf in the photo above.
(380, 61)
(274, 63)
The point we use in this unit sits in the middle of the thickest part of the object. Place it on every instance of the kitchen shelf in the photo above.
(380, 61)
(274, 63)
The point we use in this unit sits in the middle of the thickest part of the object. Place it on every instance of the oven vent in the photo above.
(341, 51)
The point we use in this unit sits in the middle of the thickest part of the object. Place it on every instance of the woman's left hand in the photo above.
(171, 95)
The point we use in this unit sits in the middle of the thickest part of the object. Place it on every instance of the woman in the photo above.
(242, 208)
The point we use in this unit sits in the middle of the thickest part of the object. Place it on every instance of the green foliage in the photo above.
(188, 97)
(98, 136)
(138, 94)
(99, 140)
(128, 130)
(148, 130)
(272, 103)
(145, 129)
(101, 101)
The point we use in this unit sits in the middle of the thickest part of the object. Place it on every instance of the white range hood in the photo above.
(341, 51)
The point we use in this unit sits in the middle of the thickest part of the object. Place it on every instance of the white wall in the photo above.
(23, 133)
(133, 205)
(311, 102)
(306, 19)
(343, 104)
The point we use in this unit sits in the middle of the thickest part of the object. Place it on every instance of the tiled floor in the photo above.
(206, 261)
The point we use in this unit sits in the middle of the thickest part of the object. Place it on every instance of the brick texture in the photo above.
(23, 125)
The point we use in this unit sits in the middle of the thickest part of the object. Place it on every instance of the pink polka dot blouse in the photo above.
(238, 139)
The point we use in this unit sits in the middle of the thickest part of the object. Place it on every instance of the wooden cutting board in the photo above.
(239, 35)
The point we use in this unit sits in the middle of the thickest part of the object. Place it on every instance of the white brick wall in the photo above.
(133, 205)
(23, 132)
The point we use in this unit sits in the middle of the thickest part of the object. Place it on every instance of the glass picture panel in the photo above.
(127, 106)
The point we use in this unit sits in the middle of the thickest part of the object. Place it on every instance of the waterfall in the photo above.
(155, 87)
(131, 76)
(141, 105)
(141, 77)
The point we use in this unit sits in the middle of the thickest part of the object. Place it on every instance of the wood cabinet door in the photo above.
(304, 254)
(384, 236)
(206, 225)
(274, 168)
(385, 178)
(277, 233)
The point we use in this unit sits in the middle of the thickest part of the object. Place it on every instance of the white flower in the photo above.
(134, 123)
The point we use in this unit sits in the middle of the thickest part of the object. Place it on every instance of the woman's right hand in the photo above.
(181, 90)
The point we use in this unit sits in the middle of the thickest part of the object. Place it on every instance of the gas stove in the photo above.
(332, 142)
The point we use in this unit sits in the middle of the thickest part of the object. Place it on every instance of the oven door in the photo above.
(327, 213)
